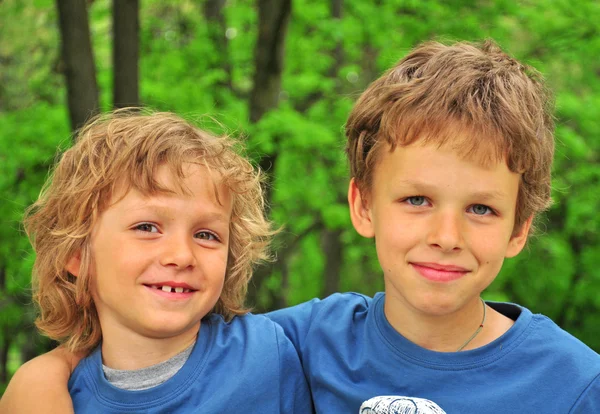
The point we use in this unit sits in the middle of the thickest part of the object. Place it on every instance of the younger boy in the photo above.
(450, 154)
(145, 238)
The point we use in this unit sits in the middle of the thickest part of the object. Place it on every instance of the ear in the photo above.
(74, 264)
(360, 214)
(518, 240)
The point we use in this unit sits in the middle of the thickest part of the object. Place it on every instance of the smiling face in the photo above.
(442, 226)
(159, 261)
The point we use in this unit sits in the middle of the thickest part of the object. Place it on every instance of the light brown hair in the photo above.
(471, 98)
(127, 147)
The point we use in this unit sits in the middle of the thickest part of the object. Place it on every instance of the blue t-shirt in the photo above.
(246, 365)
(350, 354)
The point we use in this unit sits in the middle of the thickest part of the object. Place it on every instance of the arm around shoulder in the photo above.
(40, 385)
(294, 392)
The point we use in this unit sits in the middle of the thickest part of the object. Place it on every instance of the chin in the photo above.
(437, 305)
(170, 329)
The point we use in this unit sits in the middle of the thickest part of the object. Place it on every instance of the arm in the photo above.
(294, 393)
(589, 401)
(295, 321)
(40, 385)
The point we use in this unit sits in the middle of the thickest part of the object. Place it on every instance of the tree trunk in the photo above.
(217, 26)
(126, 26)
(273, 18)
(213, 10)
(330, 239)
(79, 68)
(2, 278)
(338, 51)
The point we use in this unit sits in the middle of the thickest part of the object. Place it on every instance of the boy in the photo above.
(145, 237)
(450, 154)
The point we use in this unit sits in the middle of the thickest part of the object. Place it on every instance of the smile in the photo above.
(172, 290)
(439, 273)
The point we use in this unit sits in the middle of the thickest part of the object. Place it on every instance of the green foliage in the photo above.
(328, 62)
(28, 62)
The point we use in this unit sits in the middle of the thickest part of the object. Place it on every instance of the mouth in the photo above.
(171, 288)
(441, 267)
(436, 272)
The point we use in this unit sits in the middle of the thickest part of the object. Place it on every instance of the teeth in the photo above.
(171, 289)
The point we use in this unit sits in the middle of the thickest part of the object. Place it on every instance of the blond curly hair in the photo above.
(471, 98)
(129, 146)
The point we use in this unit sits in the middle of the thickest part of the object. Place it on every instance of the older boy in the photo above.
(450, 155)
(145, 236)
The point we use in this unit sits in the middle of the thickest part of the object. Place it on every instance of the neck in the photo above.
(445, 332)
(127, 350)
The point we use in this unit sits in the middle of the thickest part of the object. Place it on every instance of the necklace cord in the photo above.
(477, 331)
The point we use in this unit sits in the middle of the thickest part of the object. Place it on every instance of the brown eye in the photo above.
(147, 228)
(206, 235)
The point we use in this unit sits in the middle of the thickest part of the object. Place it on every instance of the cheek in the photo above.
(116, 265)
(490, 248)
(220, 266)
(212, 264)
(393, 243)
(397, 230)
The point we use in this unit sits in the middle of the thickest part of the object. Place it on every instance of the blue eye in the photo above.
(146, 228)
(481, 210)
(416, 200)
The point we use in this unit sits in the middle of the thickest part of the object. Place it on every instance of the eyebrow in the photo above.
(480, 195)
(166, 211)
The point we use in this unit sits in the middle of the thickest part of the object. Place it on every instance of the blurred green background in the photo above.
(284, 74)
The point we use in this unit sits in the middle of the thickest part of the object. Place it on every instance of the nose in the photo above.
(445, 232)
(178, 252)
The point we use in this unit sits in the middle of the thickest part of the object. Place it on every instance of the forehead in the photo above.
(481, 144)
(188, 180)
(427, 167)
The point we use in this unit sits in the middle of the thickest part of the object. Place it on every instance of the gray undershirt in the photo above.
(142, 379)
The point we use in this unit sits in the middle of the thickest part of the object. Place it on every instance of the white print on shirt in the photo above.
(392, 404)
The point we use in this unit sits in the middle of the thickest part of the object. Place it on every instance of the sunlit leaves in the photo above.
(328, 62)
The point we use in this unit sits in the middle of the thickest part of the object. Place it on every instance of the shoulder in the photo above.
(549, 335)
(343, 312)
(249, 335)
(244, 324)
(250, 331)
(335, 305)
(544, 335)
(40, 385)
(350, 300)
(566, 356)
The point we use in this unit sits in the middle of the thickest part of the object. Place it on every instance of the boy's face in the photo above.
(160, 260)
(442, 225)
